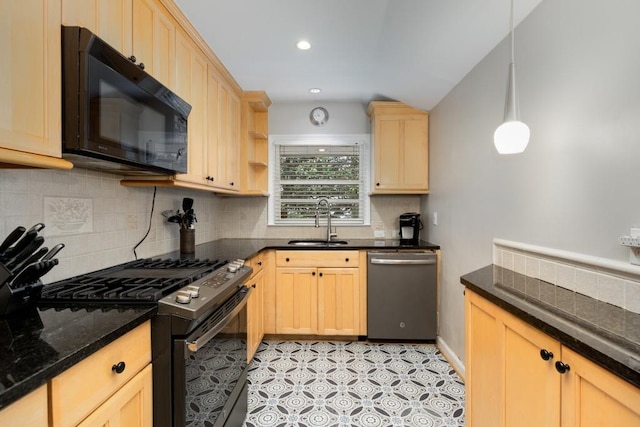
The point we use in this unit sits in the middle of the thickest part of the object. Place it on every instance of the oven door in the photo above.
(210, 368)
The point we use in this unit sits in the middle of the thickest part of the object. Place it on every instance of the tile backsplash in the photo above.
(100, 221)
(97, 219)
(613, 282)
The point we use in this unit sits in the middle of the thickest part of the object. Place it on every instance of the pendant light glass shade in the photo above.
(512, 136)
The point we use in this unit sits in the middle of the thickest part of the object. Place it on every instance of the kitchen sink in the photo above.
(317, 242)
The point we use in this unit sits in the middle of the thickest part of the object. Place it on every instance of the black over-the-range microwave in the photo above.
(115, 116)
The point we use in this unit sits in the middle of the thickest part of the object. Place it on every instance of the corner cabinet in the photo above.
(30, 92)
(400, 139)
(319, 293)
(254, 144)
(512, 378)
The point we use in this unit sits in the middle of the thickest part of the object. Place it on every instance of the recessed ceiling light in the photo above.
(315, 90)
(322, 150)
(303, 45)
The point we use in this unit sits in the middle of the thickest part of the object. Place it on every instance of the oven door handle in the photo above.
(195, 345)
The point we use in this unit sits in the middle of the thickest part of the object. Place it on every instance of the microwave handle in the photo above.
(195, 345)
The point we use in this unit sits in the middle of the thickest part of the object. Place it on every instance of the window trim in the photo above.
(363, 140)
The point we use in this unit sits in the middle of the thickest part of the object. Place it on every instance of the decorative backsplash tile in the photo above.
(68, 215)
(612, 282)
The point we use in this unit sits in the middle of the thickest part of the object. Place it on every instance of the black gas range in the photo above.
(198, 335)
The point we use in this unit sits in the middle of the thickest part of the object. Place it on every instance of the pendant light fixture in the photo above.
(512, 136)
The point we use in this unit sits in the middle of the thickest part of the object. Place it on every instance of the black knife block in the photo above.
(16, 299)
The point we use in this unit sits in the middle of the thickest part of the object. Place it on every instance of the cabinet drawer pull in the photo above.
(287, 259)
(545, 354)
(563, 368)
(346, 260)
(118, 368)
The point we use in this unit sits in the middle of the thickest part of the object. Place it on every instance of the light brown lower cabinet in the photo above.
(255, 312)
(31, 410)
(512, 379)
(130, 406)
(318, 293)
(112, 387)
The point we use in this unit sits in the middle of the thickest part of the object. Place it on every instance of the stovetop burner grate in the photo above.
(140, 281)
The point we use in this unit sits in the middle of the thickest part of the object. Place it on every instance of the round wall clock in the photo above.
(319, 116)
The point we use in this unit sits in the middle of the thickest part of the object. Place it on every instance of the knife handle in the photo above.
(11, 238)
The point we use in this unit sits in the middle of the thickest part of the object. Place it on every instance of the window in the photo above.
(311, 167)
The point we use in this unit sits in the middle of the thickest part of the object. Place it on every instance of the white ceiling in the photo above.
(413, 51)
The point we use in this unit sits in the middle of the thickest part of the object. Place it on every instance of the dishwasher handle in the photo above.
(385, 261)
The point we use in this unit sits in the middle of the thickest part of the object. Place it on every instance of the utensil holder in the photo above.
(187, 241)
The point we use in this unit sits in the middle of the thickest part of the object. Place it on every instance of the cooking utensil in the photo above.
(187, 203)
(25, 253)
(11, 238)
(53, 252)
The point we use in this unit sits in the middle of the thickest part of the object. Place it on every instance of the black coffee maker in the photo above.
(410, 226)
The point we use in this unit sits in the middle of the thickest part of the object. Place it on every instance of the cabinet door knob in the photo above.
(563, 368)
(253, 286)
(545, 354)
(313, 274)
(232, 184)
(377, 184)
(118, 368)
(320, 274)
(260, 263)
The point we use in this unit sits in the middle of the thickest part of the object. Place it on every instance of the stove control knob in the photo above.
(194, 291)
(232, 268)
(240, 262)
(183, 297)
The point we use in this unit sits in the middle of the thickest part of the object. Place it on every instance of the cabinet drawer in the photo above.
(82, 388)
(256, 262)
(317, 259)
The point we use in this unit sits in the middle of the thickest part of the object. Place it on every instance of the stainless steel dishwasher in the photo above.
(401, 295)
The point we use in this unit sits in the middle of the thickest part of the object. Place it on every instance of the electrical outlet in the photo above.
(132, 222)
(435, 218)
(378, 234)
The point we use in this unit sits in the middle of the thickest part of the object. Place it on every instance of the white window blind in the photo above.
(306, 171)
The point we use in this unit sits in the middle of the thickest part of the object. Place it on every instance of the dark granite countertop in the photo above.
(245, 248)
(606, 334)
(37, 344)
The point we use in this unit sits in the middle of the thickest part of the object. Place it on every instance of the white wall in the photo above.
(578, 68)
(291, 118)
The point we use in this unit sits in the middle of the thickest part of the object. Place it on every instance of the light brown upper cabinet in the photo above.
(400, 139)
(30, 89)
(110, 20)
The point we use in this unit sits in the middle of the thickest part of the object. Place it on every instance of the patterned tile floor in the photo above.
(353, 384)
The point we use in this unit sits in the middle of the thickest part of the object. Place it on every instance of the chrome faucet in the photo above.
(329, 233)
